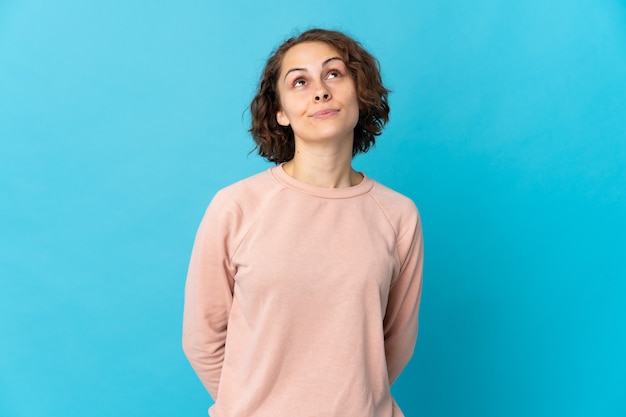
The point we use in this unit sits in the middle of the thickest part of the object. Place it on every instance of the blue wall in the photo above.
(120, 119)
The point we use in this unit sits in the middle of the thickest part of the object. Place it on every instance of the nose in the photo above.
(321, 92)
(322, 97)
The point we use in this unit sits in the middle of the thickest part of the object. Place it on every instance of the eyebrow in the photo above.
(304, 69)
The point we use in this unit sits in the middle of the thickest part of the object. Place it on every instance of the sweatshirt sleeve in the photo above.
(401, 317)
(209, 292)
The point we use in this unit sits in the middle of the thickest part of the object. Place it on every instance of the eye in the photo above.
(333, 74)
(299, 82)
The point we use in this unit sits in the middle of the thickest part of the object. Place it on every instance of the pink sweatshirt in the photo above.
(302, 301)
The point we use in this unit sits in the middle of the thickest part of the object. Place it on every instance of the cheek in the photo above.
(356, 108)
(354, 98)
(287, 104)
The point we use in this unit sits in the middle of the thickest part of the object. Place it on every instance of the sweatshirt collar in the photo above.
(362, 187)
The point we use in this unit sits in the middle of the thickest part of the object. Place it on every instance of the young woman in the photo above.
(303, 290)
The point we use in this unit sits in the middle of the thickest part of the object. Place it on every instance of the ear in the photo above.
(281, 118)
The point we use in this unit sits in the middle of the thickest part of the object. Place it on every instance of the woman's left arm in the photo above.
(401, 317)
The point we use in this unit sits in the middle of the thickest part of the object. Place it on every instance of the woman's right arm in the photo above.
(209, 293)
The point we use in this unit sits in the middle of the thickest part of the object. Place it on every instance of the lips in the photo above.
(324, 114)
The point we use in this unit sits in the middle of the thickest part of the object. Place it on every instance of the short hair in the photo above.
(275, 142)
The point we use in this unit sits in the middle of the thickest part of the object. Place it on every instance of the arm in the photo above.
(401, 321)
(209, 293)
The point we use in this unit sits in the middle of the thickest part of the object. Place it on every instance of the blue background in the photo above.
(120, 119)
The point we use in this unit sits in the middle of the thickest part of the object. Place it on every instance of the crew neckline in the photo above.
(362, 187)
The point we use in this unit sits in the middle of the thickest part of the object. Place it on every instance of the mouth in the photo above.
(324, 114)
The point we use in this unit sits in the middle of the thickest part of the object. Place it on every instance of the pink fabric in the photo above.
(302, 300)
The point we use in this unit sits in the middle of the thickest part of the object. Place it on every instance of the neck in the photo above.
(330, 168)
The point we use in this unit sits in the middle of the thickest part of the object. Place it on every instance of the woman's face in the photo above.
(317, 94)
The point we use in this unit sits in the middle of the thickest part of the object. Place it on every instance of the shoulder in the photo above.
(401, 213)
(247, 193)
(235, 207)
(396, 205)
(403, 216)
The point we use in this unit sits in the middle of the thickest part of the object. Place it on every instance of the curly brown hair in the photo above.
(275, 142)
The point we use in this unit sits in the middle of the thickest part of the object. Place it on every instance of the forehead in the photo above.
(307, 54)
